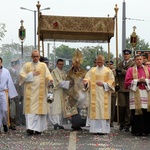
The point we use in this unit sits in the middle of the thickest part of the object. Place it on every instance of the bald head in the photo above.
(100, 60)
(35, 51)
(35, 56)
(100, 57)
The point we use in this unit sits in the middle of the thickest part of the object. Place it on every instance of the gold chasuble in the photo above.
(100, 99)
(75, 93)
(35, 89)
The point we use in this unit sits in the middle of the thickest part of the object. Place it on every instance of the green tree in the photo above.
(2, 30)
(10, 51)
(63, 52)
(90, 53)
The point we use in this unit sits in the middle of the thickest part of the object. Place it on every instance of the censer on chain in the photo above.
(50, 97)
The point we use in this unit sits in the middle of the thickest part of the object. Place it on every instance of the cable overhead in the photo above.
(136, 19)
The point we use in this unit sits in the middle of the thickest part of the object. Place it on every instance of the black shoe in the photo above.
(5, 128)
(121, 128)
(36, 132)
(30, 132)
(12, 127)
(61, 127)
(56, 126)
(100, 133)
(139, 134)
(126, 129)
(76, 128)
(94, 133)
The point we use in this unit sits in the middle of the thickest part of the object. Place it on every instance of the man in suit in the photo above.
(123, 94)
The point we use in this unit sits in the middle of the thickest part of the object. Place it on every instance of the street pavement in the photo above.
(72, 140)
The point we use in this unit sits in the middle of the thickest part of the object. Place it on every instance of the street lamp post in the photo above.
(124, 25)
(34, 11)
(22, 35)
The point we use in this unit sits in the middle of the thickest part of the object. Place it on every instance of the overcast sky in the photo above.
(11, 15)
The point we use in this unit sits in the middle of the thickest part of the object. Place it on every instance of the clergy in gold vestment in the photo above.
(76, 101)
(35, 77)
(56, 112)
(100, 80)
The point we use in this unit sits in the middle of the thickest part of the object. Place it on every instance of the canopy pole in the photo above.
(38, 10)
(117, 85)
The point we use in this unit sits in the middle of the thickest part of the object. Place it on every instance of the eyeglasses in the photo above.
(60, 64)
(35, 56)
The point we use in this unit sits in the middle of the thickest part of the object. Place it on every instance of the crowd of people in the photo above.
(81, 97)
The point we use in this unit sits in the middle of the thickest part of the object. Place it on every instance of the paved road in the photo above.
(72, 140)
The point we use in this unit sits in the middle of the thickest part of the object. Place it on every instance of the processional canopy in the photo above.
(80, 29)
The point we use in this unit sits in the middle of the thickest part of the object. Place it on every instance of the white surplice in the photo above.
(36, 122)
(56, 111)
(100, 126)
(7, 89)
